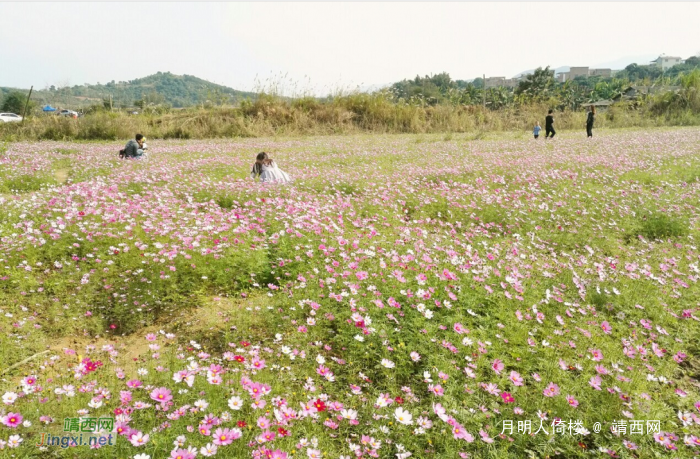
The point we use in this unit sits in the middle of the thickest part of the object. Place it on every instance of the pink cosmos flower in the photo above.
(266, 436)
(161, 394)
(596, 354)
(595, 382)
(436, 389)
(138, 438)
(606, 327)
(497, 366)
(491, 388)
(551, 390)
(460, 433)
(226, 436)
(182, 454)
(515, 378)
(572, 401)
(507, 397)
(629, 444)
(263, 422)
(602, 370)
(663, 438)
(257, 363)
(485, 436)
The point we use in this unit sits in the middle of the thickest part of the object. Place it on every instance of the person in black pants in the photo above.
(549, 125)
(589, 121)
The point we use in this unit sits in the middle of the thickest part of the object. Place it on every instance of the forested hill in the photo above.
(161, 88)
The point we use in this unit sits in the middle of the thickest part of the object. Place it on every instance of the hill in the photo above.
(163, 87)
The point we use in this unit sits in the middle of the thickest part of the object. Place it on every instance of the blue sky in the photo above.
(325, 47)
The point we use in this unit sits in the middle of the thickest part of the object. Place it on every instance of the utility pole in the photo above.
(24, 114)
(483, 92)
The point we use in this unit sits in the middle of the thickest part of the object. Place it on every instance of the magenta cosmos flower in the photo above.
(161, 395)
(507, 397)
(12, 419)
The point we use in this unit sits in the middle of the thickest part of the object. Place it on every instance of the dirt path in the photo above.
(61, 175)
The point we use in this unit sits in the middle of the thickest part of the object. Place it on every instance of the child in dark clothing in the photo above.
(549, 126)
(589, 121)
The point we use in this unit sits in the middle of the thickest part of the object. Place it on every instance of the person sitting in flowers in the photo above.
(266, 170)
(135, 148)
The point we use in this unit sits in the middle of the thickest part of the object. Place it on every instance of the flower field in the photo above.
(406, 296)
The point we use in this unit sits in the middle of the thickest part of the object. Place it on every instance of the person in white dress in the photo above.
(266, 170)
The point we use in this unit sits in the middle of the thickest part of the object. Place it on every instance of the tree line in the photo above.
(539, 86)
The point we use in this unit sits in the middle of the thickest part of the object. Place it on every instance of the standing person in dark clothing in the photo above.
(549, 125)
(589, 121)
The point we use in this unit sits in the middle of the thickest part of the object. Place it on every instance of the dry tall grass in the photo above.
(347, 114)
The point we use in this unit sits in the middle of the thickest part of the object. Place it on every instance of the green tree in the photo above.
(15, 101)
(478, 82)
(537, 86)
(571, 95)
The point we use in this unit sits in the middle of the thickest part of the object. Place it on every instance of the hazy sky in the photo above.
(328, 46)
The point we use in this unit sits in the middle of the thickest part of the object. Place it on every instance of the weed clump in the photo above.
(661, 226)
(24, 184)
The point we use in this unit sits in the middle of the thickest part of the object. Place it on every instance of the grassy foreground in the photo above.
(435, 296)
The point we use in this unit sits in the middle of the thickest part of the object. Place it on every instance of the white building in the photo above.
(666, 62)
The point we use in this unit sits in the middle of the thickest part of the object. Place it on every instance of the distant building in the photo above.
(606, 73)
(577, 72)
(498, 82)
(583, 72)
(666, 62)
(573, 73)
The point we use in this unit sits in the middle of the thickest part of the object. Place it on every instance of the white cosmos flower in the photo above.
(208, 450)
(403, 416)
(386, 363)
(9, 398)
(95, 403)
(14, 441)
(235, 403)
(201, 404)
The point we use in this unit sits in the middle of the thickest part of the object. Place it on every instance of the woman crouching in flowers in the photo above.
(267, 171)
